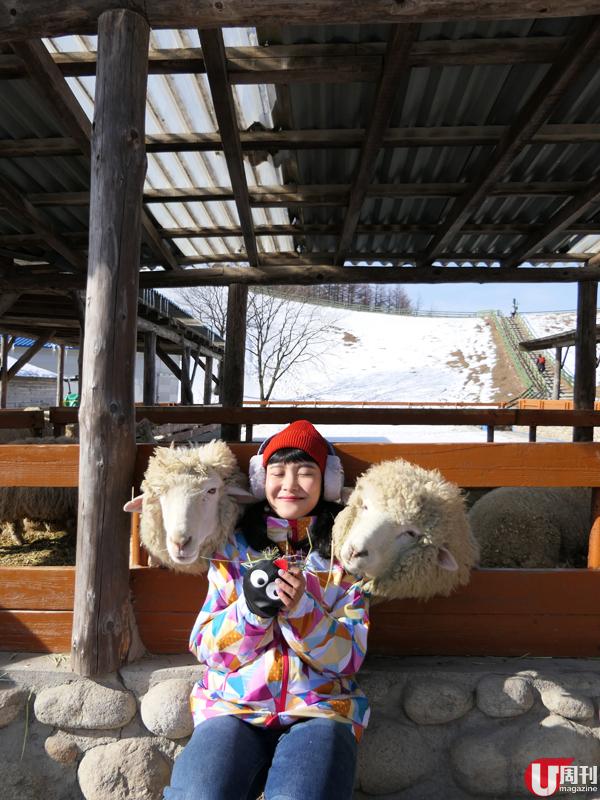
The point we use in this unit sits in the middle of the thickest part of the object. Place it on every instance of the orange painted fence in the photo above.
(501, 612)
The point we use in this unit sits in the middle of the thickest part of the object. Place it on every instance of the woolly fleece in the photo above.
(411, 495)
(190, 466)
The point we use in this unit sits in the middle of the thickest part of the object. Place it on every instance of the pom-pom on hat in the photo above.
(303, 435)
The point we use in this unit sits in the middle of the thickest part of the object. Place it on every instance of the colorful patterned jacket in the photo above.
(274, 672)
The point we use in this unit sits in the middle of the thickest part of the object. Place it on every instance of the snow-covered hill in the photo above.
(371, 356)
(388, 357)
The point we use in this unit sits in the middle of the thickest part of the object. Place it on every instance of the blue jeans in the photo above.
(228, 759)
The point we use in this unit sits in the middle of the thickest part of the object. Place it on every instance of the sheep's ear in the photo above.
(135, 504)
(446, 560)
(345, 494)
(240, 495)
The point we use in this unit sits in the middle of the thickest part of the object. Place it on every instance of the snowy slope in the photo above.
(387, 357)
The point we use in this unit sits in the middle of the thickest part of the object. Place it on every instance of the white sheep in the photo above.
(189, 504)
(532, 527)
(405, 531)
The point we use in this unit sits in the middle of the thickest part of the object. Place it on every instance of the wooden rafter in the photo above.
(52, 84)
(570, 212)
(222, 97)
(318, 194)
(273, 141)
(323, 63)
(317, 229)
(395, 64)
(574, 58)
(25, 357)
(37, 18)
(294, 274)
(23, 211)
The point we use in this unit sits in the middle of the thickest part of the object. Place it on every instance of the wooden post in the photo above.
(4, 372)
(149, 394)
(533, 433)
(584, 392)
(490, 433)
(557, 371)
(594, 542)
(187, 396)
(102, 623)
(60, 374)
(208, 376)
(232, 373)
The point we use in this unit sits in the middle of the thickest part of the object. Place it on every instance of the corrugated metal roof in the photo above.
(449, 95)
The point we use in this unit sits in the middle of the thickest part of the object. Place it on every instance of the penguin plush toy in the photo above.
(259, 587)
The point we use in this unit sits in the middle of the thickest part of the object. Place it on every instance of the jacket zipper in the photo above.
(280, 701)
(280, 704)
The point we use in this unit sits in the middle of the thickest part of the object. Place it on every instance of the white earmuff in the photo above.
(333, 479)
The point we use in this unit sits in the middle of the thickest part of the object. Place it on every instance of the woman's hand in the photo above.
(290, 587)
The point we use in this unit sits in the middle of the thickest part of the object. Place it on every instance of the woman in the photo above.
(278, 701)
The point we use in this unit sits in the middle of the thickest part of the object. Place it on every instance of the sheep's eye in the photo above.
(409, 532)
(211, 491)
(259, 578)
(271, 592)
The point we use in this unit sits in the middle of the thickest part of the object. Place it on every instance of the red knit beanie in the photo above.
(303, 435)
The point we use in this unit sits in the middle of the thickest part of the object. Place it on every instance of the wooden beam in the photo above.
(231, 387)
(564, 217)
(187, 396)
(4, 371)
(318, 63)
(316, 229)
(584, 391)
(60, 374)
(573, 60)
(22, 210)
(326, 273)
(36, 18)
(340, 138)
(168, 361)
(222, 97)
(318, 194)
(102, 634)
(149, 392)
(25, 357)
(208, 379)
(395, 67)
(51, 83)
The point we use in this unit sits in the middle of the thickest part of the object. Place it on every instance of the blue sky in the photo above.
(498, 296)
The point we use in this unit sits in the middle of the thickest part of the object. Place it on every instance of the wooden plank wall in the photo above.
(501, 612)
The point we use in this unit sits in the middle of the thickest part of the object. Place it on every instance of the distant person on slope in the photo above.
(541, 363)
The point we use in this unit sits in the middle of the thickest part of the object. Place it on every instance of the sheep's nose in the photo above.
(359, 553)
(182, 541)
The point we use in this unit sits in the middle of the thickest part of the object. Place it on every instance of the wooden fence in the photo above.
(501, 612)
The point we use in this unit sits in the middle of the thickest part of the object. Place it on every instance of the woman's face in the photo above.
(293, 490)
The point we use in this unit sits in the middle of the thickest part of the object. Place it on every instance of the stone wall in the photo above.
(445, 728)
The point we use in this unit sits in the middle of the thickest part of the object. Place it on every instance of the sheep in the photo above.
(188, 504)
(532, 527)
(47, 504)
(405, 532)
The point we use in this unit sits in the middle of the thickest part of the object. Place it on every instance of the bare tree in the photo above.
(209, 305)
(282, 335)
